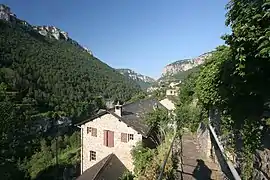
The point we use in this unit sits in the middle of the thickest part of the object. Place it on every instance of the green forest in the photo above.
(235, 81)
(41, 77)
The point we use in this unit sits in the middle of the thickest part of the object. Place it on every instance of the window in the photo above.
(108, 138)
(88, 130)
(93, 156)
(126, 137)
(93, 131)
(130, 137)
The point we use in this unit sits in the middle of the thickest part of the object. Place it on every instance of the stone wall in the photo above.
(120, 149)
(204, 140)
(262, 159)
(262, 165)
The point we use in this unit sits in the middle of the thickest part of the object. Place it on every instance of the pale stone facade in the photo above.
(121, 149)
(171, 92)
(168, 104)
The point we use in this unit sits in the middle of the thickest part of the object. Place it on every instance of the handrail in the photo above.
(165, 160)
(221, 148)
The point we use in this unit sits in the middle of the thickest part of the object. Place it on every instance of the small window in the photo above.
(93, 156)
(126, 137)
(130, 137)
(88, 130)
(93, 131)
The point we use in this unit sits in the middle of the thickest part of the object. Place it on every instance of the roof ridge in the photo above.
(102, 167)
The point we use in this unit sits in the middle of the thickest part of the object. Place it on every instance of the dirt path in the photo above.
(193, 165)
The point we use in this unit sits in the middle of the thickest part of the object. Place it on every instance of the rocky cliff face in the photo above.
(58, 34)
(52, 32)
(49, 31)
(262, 164)
(184, 65)
(136, 76)
(143, 81)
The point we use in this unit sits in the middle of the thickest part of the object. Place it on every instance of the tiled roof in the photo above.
(133, 114)
(108, 168)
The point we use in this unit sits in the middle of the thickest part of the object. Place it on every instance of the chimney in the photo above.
(118, 109)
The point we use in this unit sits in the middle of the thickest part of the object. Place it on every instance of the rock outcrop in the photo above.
(49, 31)
(136, 76)
(5, 13)
(52, 32)
(262, 164)
(142, 80)
(184, 65)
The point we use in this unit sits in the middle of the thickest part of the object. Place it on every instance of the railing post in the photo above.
(165, 160)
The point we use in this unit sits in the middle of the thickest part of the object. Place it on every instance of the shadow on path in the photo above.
(201, 171)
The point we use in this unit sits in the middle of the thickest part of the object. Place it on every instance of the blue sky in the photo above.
(143, 35)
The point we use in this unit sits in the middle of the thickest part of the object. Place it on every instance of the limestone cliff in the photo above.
(184, 65)
(142, 80)
(49, 31)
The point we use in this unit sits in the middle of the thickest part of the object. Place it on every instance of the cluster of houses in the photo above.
(108, 137)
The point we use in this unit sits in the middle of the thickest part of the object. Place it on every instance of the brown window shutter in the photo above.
(94, 132)
(105, 138)
(124, 137)
(110, 139)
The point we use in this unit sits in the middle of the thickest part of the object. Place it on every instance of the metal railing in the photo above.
(166, 159)
(229, 164)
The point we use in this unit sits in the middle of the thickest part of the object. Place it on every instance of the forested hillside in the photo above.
(56, 75)
(41, 77)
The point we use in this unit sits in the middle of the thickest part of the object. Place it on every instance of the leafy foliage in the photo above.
(148, 162)
(137, 97)
(235, 80)
(189, 111)
(67, 152)
(159, 93)
(127, 176)
(250, 49)
(210, 81)
(141, 157)
(157, 118)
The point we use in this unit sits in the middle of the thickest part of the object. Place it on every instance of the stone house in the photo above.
(172, 92)
(115, 132)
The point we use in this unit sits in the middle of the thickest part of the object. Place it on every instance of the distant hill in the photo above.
(54, 72)
(143, 81)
